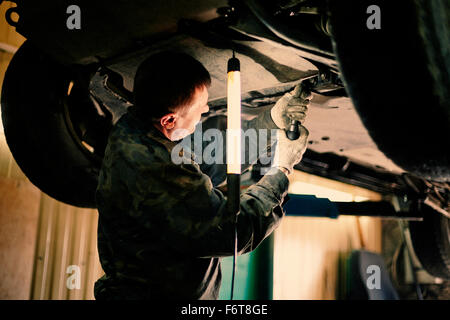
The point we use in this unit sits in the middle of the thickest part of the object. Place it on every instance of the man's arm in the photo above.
(292, 106)
(256, 146)
(179, 203)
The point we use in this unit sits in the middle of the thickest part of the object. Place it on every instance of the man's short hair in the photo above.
(166, 82)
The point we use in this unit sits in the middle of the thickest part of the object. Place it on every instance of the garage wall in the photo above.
(66, 263)
(39, 236)
(8, 36)
(310, 253)
(19, 202)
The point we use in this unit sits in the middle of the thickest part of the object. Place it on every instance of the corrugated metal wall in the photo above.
(66, 237)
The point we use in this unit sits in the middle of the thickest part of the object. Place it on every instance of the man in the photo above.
(163, 226)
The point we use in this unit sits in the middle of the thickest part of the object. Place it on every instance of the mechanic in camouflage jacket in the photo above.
(164, 226)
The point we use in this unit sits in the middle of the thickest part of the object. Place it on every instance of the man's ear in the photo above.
(168, 121)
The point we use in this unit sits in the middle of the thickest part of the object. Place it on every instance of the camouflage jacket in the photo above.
(163, 227)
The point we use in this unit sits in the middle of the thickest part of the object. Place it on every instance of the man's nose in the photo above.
(206, 108)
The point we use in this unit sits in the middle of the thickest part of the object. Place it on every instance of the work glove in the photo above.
(289, 152)
(292, 106)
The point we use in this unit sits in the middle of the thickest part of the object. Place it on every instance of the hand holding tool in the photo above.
(302, 90)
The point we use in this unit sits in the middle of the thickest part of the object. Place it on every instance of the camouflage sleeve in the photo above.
(179, 204)
(263, 125)
(262, 121)
(217, 172)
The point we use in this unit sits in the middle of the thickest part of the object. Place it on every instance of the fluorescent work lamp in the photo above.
(233, 148)
(234, 117)
(233, 134)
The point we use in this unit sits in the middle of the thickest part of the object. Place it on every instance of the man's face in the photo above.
(189, 116)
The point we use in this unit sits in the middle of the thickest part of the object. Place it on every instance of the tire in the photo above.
(431, 242)
(398, 78)
(37, 130)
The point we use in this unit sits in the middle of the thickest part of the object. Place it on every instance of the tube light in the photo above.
(234, 117)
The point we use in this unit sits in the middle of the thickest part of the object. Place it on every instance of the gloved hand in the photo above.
(292, 106)
(289, 152)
